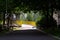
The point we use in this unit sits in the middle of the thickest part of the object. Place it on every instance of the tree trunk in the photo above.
(3, 20)
(8, 21)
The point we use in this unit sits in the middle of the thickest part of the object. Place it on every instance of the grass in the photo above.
(0, 21)
(3, 32)
(55, 32)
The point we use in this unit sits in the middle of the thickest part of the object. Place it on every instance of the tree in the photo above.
(28, 5)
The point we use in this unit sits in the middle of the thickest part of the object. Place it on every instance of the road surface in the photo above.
(26, 35)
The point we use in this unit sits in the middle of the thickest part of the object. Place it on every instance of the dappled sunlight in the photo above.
(25, 27)
(23, 16)
(18, 22)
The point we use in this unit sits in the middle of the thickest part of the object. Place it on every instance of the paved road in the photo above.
(26, 35)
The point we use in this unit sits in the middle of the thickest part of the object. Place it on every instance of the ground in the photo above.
(26, 35)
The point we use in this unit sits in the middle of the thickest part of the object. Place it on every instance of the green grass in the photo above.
(0, 21)
(55, 32)
(3, 32)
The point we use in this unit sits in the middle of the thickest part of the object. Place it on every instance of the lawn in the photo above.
(55, 32)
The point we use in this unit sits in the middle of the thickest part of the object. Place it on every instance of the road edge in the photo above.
(50, 34)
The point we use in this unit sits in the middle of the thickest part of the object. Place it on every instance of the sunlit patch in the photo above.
(19, 22)
(24, 27)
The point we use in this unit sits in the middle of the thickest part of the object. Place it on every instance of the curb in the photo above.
(55, 37)
(50, 34)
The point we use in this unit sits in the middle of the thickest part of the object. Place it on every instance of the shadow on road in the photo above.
(26, 35)
(26, 32)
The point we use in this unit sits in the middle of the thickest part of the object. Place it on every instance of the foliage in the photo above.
(1, 16)
(27, 5)
(47, 23)
(0, 27)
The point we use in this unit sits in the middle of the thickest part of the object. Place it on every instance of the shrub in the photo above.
(46, 23)
(0, 27)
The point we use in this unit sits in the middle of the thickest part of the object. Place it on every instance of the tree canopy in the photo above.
(28, 4)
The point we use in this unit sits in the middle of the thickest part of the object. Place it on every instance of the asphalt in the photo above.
(26, 35)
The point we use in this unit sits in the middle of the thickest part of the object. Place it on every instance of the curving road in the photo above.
(26, 35)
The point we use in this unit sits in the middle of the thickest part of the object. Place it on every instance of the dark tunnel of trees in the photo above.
(47, 7)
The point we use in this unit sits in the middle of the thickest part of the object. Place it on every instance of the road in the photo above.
(26, 35)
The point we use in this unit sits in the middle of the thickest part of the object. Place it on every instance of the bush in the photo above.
(0, 27)
(46, 23)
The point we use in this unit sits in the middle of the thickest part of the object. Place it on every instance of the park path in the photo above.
(26, 35)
